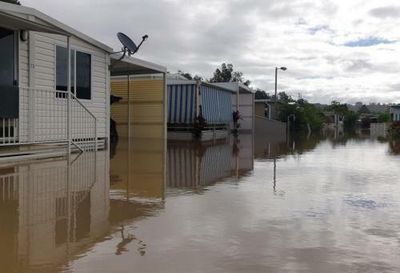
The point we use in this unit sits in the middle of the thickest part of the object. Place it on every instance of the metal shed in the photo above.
(243, 101)
(187, 99)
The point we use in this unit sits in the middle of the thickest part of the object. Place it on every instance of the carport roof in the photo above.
(133, 66)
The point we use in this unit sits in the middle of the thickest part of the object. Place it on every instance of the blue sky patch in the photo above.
(371, 41)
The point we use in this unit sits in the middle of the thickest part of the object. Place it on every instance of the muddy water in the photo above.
(306, 205)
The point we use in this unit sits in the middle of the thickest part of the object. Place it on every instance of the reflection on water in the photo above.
(325, 203)
(50, 210)
(138, 169)
(198, 164)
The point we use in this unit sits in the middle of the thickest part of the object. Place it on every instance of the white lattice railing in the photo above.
(44, 117)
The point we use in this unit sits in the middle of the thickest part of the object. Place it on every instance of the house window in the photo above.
(7, 63)
(81, 73)
(9, 95)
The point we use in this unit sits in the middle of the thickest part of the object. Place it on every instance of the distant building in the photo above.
(395, 112)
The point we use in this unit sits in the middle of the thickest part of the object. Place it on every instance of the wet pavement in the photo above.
(311, 204)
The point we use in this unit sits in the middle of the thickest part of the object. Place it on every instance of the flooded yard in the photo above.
(316, 204)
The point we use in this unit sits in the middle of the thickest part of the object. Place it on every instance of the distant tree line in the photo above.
(224, 73)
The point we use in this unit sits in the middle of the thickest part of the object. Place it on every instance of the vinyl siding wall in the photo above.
(37, 69)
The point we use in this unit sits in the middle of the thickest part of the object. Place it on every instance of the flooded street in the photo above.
(317, 204)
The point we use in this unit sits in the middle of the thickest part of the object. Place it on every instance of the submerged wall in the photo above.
(271, 128)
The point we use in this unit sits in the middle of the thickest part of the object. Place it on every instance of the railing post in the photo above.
(95, 134)
(69, 127)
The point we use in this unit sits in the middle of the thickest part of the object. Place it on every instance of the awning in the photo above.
(133, 66)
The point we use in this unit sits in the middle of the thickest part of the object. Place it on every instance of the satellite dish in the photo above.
(128, 45)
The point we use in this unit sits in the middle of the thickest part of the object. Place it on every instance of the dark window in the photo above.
(83, 75)
(7, 62)
(9, 92)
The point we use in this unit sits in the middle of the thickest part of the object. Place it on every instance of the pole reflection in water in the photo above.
(51, 209)
(137, 186)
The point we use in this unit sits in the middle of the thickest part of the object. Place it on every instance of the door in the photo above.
(9, 94)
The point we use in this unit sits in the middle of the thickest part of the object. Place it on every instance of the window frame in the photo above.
(74, 49)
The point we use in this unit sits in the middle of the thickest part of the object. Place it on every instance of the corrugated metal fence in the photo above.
(216, 104)
(181, 103)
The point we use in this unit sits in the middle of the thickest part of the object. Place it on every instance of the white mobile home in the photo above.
(34, 100)
(395, 112)
(49, 94)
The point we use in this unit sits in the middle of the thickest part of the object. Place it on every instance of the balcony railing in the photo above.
(50, 116)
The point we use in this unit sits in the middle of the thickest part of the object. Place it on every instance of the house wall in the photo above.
(246, 110)
(395, 113)
(37, 69)
(273, 129)
(260, 108)
(146, 101)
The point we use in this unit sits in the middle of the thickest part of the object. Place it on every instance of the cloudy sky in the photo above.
(347, 50)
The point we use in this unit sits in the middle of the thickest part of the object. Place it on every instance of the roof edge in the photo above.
(7, 7)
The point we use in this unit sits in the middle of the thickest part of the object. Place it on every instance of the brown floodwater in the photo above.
(311, 204)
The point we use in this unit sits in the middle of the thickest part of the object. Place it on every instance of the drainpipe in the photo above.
(69, 118)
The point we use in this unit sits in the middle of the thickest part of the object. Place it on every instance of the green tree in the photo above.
(383, 117)
(302, 115)
(189, 76)
(261, 95)
(364, 110)
(350, 117)
(225, 73)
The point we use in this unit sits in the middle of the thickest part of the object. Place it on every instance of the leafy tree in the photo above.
(261, 95)
(350, 117)
(285, 98)
(11, 1)
(383, 117)
(364, 110)
(225, 73)
(189, 76)
(302, 115)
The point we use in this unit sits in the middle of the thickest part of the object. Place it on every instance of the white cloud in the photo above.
(307, 36)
